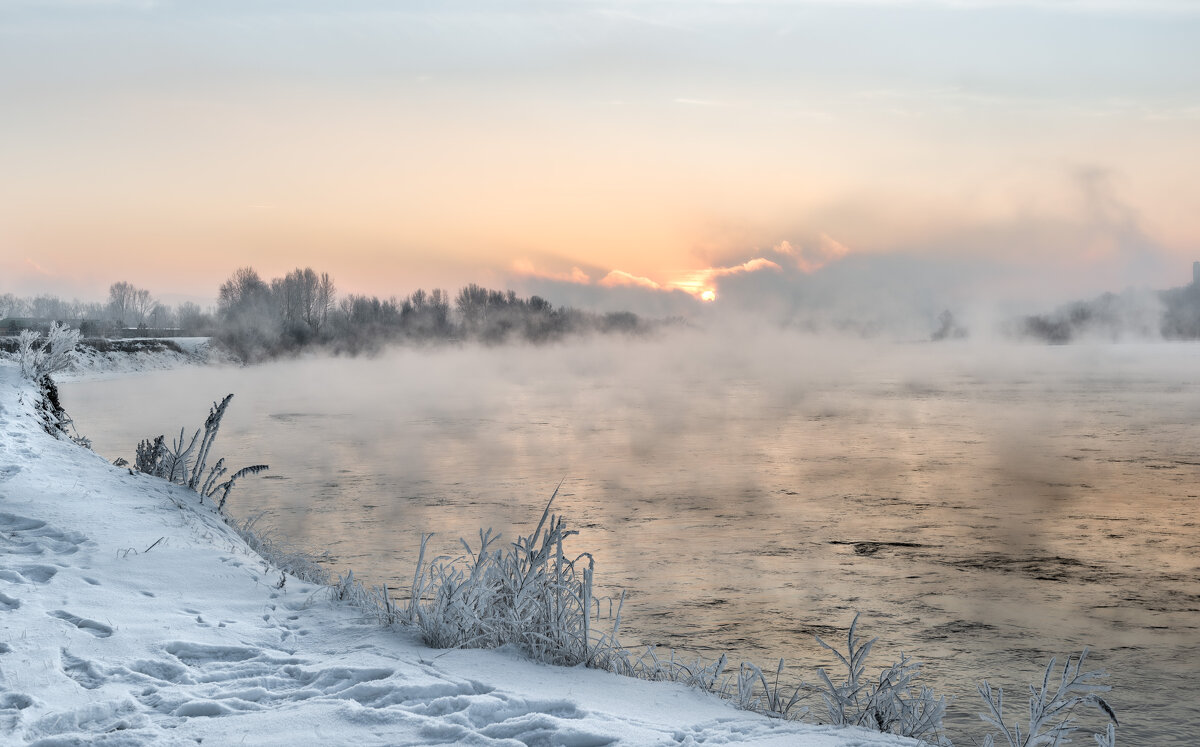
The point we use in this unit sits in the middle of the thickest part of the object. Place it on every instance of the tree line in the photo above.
(1172, 314)
(255, 318)
(129, 310)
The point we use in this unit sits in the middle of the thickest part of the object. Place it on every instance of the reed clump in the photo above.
(187, 465)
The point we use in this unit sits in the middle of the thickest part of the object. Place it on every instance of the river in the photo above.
(983, 506)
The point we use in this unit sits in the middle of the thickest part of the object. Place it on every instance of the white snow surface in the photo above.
(130, 614)
(92, 363)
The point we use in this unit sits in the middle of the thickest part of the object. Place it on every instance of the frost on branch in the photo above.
(54, 355)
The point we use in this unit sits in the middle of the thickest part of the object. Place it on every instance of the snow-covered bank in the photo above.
(132, 615)
(102, 358)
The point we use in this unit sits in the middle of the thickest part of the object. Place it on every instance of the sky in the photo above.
(601, 152)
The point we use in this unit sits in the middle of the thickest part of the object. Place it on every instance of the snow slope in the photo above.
(134, 355)
(132, 615)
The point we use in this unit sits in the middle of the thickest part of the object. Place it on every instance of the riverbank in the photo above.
(99, 357)
(134, 615)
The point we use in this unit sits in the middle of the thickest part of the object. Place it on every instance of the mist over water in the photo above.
(983, 505)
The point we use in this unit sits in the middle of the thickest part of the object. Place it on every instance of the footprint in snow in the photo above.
(38, 574)
(11, 705)
(98, 629)
(33, 537)
(7, 603)
(82, 671)
(15, 701)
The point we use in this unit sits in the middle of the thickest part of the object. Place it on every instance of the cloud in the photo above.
(826, 250)
(702, 283)
(36, 267)
(1022, 261)
(620, 277)
(525, 267)
(985, 273)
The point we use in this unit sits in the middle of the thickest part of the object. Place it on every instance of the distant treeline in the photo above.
(255, 319)
(130, 311)
(1172, 314)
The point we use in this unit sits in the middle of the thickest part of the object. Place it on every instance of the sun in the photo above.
(708, 295)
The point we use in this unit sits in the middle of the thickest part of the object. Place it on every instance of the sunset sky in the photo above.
(1044, 147)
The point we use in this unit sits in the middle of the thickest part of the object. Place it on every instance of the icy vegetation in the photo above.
(185, 465)
(1051, 713)
(55, 354)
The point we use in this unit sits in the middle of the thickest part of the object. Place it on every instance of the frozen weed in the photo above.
(188, 465)
(888, 704)
(776, 701)
(303, 565)
(529, 594)
(376, 601)
(37, 363)
(1051, 720)
(52, 356)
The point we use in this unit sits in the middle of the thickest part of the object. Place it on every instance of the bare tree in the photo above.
(304, 297)
(244, 290)
(10, 305)
(142, 305)
(326, 293)
(129, 304)
(120, 300)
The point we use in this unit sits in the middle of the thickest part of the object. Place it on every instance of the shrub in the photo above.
(54, 355)
(529, 595)
(37, 363)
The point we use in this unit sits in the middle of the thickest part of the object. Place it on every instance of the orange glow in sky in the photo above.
(607, 144)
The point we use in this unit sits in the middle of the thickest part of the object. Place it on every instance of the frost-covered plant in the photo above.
(698, 673)
(188, 465)
(303, 565)
(376, 600)
(774, 701)
(775, 698)
(529, 594)
(37, 363)
(52, 356)
(1051, 720)
(891, 703)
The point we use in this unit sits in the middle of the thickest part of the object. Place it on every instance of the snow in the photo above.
(130, 614)
(93, 363)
